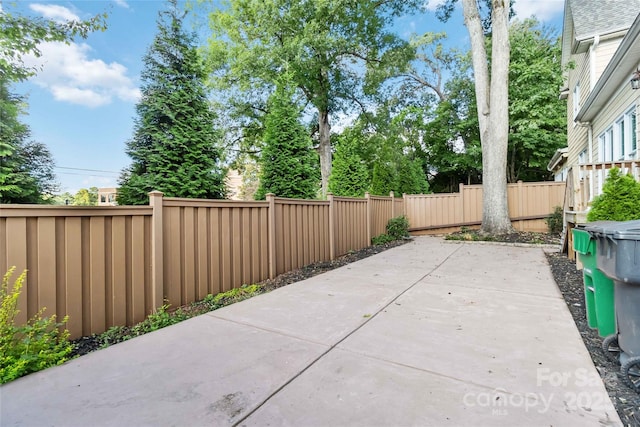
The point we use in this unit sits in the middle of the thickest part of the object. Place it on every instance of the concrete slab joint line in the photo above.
(429, 333)
(332, 347)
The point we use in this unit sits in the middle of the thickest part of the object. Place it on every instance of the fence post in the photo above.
(520, 201)
(367, 196)
(332, 228)
(393, 204)
(271, 215)
(157, 249)
(405, 210)
(461, 190)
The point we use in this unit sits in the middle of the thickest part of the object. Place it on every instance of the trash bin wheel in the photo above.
(631, 373)
(611, 348)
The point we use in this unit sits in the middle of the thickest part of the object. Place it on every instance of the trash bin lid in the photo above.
(600, 227)
(628, 234)
(619, 226)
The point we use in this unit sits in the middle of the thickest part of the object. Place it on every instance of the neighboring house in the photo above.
(107, 196)
(600, 56)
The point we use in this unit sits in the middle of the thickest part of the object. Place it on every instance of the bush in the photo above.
(32, 347)
(381, 239)
(398, 227)
(619, 201)
(555, 221)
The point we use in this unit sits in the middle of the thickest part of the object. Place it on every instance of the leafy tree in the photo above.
(619, 201)
(325, 45)
(349, 175)
(492, 101)
(537, 118)
(173, 148)
(287, 163)
(86, 197)
(21, 35)
(26, 167)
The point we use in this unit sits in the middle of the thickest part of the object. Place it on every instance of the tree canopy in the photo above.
(174, 147)
(337, 52)
(26, 167)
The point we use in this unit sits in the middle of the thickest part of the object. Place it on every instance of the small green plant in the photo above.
(381, 239)
(231, 296)
(164, 317)
(398, 227)
(36, 345)
(555, 220)
(619, 201)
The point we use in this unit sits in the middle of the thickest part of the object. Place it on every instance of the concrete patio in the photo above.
(429, 333)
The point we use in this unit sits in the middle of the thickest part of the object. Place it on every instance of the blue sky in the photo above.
(82, 102)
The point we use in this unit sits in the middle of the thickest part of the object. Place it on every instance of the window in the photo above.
(606, 145)
(576, 100)
(634, 131)
(582, 157)
(103, 198)
(620, 137)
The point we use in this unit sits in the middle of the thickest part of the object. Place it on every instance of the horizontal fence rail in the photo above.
(112, 266)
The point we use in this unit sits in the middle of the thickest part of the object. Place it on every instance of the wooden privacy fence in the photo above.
(107, 266)
(529, 204)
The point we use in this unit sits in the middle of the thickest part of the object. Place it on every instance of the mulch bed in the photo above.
(569, 280)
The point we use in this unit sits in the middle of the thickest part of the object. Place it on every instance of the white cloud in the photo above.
(544, 10)
(72, 76)
(122, 3)
(54, 12)
(76, 95)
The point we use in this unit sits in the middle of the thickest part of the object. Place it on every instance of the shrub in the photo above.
(381, 239)
(555, 220)
(619, 201)
(37, 345)
(398, 227)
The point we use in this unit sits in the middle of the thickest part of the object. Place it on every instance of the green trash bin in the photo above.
(598, 288)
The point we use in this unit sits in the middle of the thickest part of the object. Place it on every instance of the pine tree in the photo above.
(384, 178)
(411, 177)
(26, 167)
(288, 164)
(174, 146)
(349, 174)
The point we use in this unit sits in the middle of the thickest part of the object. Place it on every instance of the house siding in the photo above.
(613, 110)
(604, 53)
(577, 135)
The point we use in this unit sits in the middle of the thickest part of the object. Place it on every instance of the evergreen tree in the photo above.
(26, 167)
(411, 177)
(174, 146)
(384, 178)
(349, 175)
(288, 164)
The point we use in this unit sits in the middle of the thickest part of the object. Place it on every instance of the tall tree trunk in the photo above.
(492, 97)
(324, 149)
